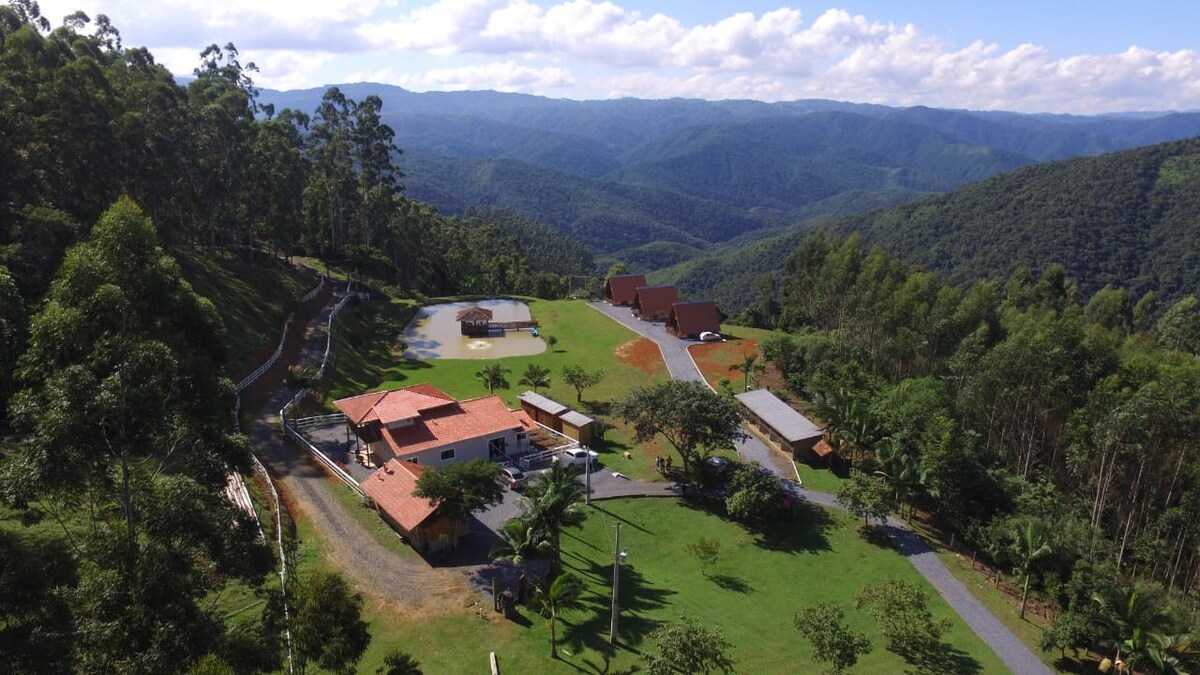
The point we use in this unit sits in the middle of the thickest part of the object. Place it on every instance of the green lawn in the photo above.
(752, 592)
(367, 359)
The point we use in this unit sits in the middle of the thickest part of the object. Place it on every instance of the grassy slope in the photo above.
(253, 299)
(751, 593)
(366, 360)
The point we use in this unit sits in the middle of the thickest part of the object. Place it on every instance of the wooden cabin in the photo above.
(690, 319)
(622, 290)
(653, 303)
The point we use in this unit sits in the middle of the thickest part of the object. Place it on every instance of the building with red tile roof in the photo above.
(690, 319)
(622, 290)
(653, 303)
(425, 425)
(391, 490)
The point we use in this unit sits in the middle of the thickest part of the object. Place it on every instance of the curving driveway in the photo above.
(1007, 646)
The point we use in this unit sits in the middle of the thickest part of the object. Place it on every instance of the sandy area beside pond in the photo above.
(435, 334)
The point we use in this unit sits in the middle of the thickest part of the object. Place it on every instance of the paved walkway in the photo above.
(1007, 646)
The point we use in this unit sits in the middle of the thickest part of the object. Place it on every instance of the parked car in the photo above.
(576, 456)
(719, 465)
(709, 336)
(513, 476)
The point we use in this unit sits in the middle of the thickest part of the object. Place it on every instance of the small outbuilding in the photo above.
(542, 410)
(690, 319)
(475, 321)
(622, 290)
(578, 426)
(783, 426)
(416, 519)
(653, 303)
(554, 415)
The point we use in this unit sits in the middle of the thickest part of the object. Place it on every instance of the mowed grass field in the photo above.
(758, 583)
(367, 358)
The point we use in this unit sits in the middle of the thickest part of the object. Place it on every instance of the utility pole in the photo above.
(612, 628)
(587, 464)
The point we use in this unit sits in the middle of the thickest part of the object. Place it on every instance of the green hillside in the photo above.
(788, 163)
(1127, 219)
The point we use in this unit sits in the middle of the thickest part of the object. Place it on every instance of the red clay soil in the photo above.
(643, 354)
(714, 358)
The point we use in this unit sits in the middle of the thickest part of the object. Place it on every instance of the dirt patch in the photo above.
(715, 358)
(643, 354)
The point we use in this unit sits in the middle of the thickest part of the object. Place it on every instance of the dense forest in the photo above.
(116, 539)
(1126, 219)
(1009, 406)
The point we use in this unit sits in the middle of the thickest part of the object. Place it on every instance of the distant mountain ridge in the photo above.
(660, 182)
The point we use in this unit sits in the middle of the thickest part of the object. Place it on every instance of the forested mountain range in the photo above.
(620, 175)
(1128, 219)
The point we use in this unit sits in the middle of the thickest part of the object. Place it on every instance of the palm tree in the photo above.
(535, 376)
(749, 366)
(561, 595)
(519, 541)
(1131, 619)
(492, 377)
(551, 501)
(1031, 545)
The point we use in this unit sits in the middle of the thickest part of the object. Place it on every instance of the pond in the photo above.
(434, 333)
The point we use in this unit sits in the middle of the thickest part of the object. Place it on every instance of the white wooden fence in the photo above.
(290, 428)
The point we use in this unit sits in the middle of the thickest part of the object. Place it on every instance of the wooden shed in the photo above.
(690, 319)
(786, 428)
(653, 303)
(578, 426)
(542, 410)
(622, 290)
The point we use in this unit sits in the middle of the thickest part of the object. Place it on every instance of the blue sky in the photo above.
(1015, 55)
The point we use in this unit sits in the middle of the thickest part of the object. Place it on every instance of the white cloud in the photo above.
(536, 45)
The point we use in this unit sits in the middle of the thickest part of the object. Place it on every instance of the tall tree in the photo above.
(493, 377)
(535, 376)
(461, 488)
(519, 541)
(553, 500)
(686, 646)
(561, 595)
(691, 417)
(327, 627)
(1032, 545)
(581, 379)
(121, 385)
(823, 625)
(749, 366)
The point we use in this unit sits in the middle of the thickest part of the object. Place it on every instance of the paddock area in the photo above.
(434, 333)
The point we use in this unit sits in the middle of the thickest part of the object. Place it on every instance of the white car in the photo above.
(513, 476)
(576, 456)
(709, 336)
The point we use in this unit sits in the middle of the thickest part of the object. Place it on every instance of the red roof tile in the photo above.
(450, 424)
(391, 487)
(475, 313)
(622, 290)
(387, 407)
(654, 301)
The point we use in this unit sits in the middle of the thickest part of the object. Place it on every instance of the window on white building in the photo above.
(448, 454)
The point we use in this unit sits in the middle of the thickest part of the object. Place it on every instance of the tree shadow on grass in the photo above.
(731, 583)
(588, 627)
(942, 659)
(806, 533)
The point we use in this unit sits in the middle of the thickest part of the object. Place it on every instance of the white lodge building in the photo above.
(424, 425)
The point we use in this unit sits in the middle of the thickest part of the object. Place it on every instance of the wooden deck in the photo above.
(512, 325)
